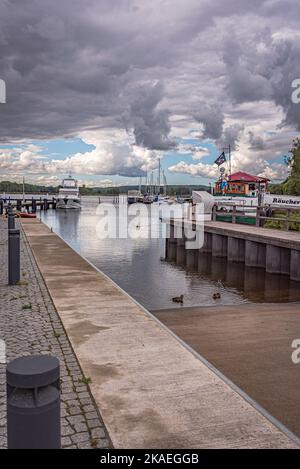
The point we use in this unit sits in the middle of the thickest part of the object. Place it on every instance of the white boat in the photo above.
(134, 197)
(68, 195)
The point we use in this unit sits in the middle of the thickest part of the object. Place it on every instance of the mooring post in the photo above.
(33, 205)
(33, 403)
(9, 209)
(1, 207)
(10, 219)
(13, 256)
(19, 205)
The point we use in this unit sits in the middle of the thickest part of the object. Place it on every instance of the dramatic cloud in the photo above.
(108, 157)
(137, 76)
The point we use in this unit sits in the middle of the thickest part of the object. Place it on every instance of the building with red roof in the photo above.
(241, 184)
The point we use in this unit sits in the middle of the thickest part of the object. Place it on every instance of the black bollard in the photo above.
(1, 207)
(33, 403)
(13, 256)
(33, 206)
(9, 209)
(11, 221)
(19, 205)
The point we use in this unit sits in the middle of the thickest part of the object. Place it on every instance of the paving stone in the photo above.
(98, 433)
(81, 437)
(81, 427)
(91, 415)
(66, 441)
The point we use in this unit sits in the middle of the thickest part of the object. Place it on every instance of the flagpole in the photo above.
(229, 154)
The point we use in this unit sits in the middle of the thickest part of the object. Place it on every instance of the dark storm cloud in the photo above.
(212, 117)
(230, 135)
(151, 126)
(256, 142)
(76, 65)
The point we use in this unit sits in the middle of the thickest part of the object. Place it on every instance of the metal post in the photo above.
(9, 209)
(13, 256)
(257, 221)
(33, 205)
(11, 221)
(1, 207)
(214, 213)
(33, 403)
(234, 214)
(287, 220)
(19, 205)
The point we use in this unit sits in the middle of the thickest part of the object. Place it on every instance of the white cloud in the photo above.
(197, 152)
(199, 169)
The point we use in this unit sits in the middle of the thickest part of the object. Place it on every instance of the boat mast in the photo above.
(159, 176)
(23, 187)
(165, 182)
(228, 150)
(151, 183)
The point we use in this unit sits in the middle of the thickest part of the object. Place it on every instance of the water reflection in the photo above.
(154, 271)
(254, 284)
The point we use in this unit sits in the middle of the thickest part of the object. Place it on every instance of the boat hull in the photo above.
(68, 204)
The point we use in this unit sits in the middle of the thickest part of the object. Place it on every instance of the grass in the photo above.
(85, 380)
(28, 306)
(23, 283)
(279, 225)
(94, 442)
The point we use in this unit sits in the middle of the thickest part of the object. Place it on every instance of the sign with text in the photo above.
(282, 200)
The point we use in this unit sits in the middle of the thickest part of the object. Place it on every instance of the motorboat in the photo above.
(68, 195)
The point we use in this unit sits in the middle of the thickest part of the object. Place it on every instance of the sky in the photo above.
(105, 89)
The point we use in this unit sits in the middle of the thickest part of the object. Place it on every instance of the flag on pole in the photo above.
(221, 159)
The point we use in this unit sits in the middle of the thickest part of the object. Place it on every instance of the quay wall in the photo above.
(276, 251)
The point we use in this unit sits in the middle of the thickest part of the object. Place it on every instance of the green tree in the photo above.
(292, 185)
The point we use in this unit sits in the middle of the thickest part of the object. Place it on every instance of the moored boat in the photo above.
(68, 195)
(25, 215)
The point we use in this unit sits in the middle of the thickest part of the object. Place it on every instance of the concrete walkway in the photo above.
(152, 391)
(290, 239)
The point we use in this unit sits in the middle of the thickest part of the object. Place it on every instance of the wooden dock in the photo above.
(151, 389)
(30, 204)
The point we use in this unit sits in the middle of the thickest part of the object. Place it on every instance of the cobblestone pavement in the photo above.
(29, 324)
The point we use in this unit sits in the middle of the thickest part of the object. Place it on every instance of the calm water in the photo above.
(139, 266)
